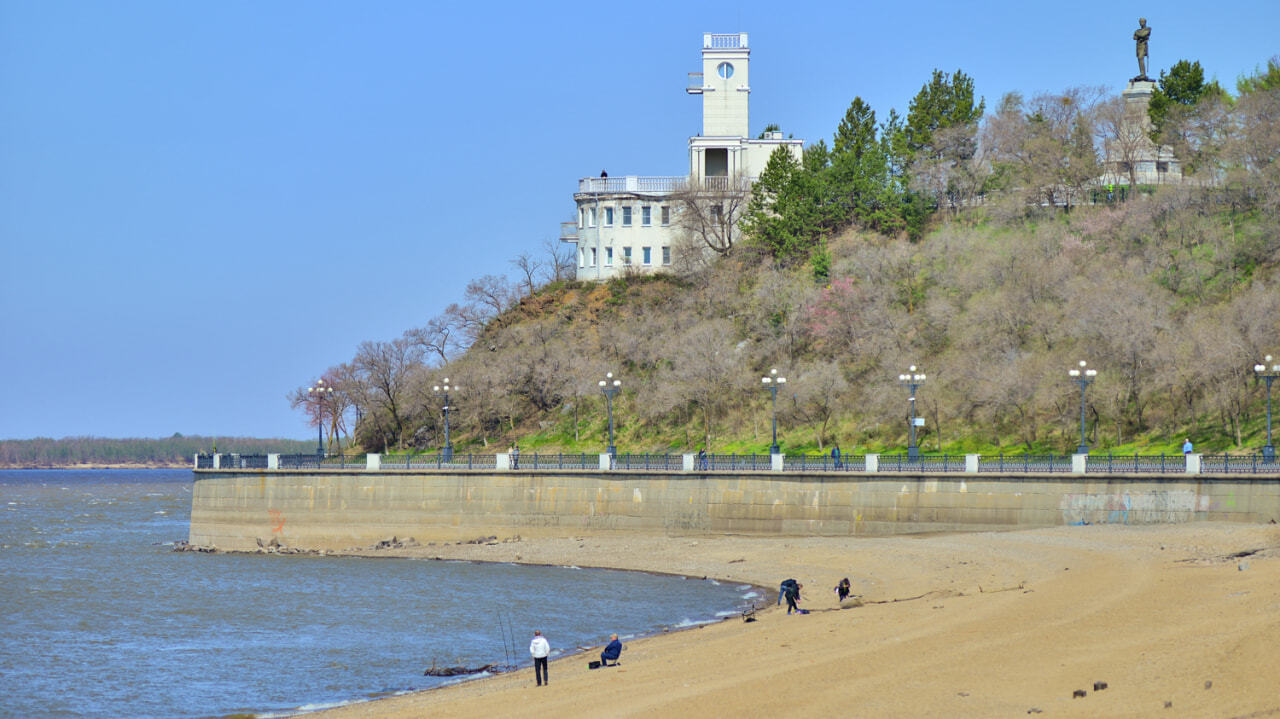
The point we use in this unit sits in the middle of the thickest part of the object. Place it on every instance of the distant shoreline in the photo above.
(102, 465)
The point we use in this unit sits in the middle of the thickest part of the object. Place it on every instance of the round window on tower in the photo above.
(725, 70)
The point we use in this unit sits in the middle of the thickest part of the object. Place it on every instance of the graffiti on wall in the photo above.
(1160, 507)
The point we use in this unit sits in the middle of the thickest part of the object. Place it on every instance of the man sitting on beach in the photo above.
(611, 652)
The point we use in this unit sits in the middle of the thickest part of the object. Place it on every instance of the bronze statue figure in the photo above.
(1140, 36)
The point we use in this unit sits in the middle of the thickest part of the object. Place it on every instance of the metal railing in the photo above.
(660, 462)
(922, 463)
(1048, 463)
(824, 463)
(1239, 464)
(1146, 463)
(1100, 464)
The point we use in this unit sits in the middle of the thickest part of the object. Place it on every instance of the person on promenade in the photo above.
(842, 589)
(540, 649)
(1186, 446)
(835, 456)
(611, 652)
(702, 459)
(515, 456)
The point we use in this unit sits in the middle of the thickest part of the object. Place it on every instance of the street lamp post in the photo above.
(771, 382)
(610, 387)
(1082, 377)
(912, 381)
(319, 390)
(1267, 372)
(442, 391)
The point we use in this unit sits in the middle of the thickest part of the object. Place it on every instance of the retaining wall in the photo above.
(340, 509)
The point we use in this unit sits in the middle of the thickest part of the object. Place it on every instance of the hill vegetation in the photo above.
(982, 248)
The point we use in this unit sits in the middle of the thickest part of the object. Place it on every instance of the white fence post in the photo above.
(1079, 463)
(1193, 463)
(217, 461)
(873, 463)
(372, 462)
(273, 461)
(971, 463)
(606, 461)
(686, 462)
(775, 462)
(502, 462)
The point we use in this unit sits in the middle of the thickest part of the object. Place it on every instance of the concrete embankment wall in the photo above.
(350, 508)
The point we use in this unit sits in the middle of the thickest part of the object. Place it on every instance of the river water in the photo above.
(99, 617)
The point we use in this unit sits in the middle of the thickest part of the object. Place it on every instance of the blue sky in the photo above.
(205, 205)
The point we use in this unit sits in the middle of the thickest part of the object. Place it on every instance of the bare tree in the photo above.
(708, 210)
(558, 260)
(1124, 135)
(530, 269)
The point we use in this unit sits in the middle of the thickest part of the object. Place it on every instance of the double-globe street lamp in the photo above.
(610, 387)
(319, 390)
(1267, 372)
(772, 382)
(442, 391)
(1082, 376)
(912, 381)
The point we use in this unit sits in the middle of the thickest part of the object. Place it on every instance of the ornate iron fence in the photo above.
(922, 463)
(1024, 463)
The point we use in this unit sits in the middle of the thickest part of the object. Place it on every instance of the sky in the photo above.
(205, 205)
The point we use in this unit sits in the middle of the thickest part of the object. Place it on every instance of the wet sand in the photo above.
(1177, 620)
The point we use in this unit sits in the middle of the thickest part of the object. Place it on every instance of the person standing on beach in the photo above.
(842, 589)
(540, 649)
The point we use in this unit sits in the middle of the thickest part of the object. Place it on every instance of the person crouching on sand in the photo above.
(793, 596)
(842, 589)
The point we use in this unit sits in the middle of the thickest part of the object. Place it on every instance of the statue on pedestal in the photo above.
(1140, 37)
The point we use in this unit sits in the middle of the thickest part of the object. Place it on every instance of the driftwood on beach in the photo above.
(456, 671)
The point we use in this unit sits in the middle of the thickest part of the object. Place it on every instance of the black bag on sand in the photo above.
(593, 665)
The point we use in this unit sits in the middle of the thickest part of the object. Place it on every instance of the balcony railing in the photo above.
(695, 83)
(659, 185)
(568, 230)
(729, 41)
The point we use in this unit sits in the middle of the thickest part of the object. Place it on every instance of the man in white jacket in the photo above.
(539, 648)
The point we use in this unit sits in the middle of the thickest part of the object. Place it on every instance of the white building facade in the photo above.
(630, 223)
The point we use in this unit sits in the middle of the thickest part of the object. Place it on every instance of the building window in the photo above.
(593, 257)
(591, 218)
(626, 255)
(646, 216)
(717, 213)
(646, 254)
(608, 256)
(582, 257)
(582, 217)
(666, 215)
(626, 215)
(1162, 167)
(608, 217)
(666, 254)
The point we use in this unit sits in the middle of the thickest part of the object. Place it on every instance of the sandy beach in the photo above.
(1176, 620)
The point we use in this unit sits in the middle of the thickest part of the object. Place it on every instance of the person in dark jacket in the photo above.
(842, 589)
(611, 652)
(792, 598)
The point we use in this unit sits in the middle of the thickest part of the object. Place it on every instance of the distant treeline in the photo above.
(175, 450)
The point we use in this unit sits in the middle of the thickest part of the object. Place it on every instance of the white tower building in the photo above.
(630, 222)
